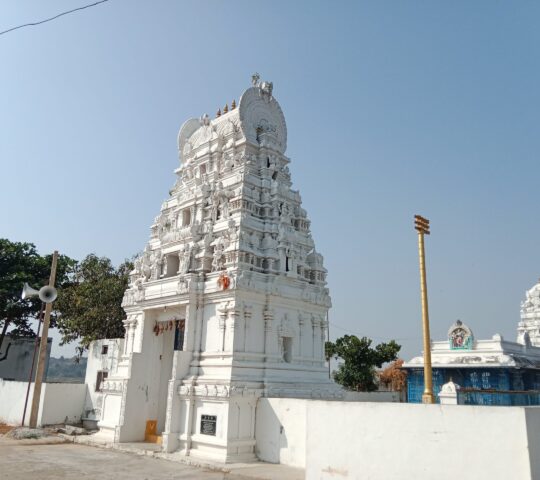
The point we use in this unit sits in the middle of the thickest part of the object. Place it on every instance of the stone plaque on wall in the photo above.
(208, 424)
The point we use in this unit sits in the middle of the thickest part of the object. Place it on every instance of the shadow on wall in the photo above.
(280, 431)
(270, 434)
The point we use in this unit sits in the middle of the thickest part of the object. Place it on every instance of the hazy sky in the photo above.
(392, 109)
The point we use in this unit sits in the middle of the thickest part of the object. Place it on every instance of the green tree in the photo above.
(90, 306)
(20, 263)
(357, 371)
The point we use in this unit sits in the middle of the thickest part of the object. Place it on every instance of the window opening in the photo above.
(287, 349)
(179, 334)
(186, 217)
(101, 377)
(173, 264)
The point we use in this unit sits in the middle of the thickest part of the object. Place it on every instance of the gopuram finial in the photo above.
(204, 120)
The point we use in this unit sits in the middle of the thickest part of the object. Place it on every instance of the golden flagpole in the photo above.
(421, 225)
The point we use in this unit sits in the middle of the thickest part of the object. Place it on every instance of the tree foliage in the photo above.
(20, 263)
(62, 369)
(90, 305)
(394, 376)
(359, 361)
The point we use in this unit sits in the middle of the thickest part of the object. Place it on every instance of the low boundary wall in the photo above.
(366, 440)
(59, 403)
(280, 431)
(396, 441)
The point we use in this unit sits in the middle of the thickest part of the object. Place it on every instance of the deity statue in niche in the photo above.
(183, 285)
(218, 261)
(228, 163)
(269, 242)
(231, 233)
(208, 233)
(285, 214)
(265, 196)
(139, 292)
(185, 260)
(460, 337)
(282, 232)
(221, 200)
(151, 266)
(205, 192)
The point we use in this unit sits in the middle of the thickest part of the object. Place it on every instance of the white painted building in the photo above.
(102, 361)
(228, 302)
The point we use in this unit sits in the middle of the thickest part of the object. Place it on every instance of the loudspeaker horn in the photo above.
(28, 291)
(46, 294)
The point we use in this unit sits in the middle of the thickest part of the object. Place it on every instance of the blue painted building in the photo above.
(489, 372)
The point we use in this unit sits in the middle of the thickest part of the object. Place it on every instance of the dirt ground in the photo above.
(50, 458)
(68, 461)
(4, 428)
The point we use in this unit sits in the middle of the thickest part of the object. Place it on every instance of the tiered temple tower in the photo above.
(529, 326)
(228, 302)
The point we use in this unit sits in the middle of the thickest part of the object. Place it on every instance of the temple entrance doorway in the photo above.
(165, 361)
(172, 340)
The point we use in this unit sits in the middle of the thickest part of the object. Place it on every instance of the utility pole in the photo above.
(42, 349)
(421, 225)
(36, 345)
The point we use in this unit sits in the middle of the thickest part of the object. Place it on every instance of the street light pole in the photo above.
(42, 357)
(421, 225)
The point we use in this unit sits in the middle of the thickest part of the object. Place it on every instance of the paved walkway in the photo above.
(26, 459)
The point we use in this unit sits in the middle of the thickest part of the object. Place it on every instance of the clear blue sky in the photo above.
(393, 108)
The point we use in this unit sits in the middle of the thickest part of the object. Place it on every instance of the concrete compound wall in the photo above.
(63, 403)
(280, 428)
(371, 397)
(366, 440)
(59, 403)
(396, 441)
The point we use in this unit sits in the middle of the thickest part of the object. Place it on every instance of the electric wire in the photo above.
(32, 24)
(348, 330)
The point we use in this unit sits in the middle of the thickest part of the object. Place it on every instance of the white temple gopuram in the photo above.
(228, 302)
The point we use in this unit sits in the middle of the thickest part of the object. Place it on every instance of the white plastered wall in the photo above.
(63, 403)
(280, 431)
(368, 440)
(97, 361)
(397, 441)
(59, 403)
